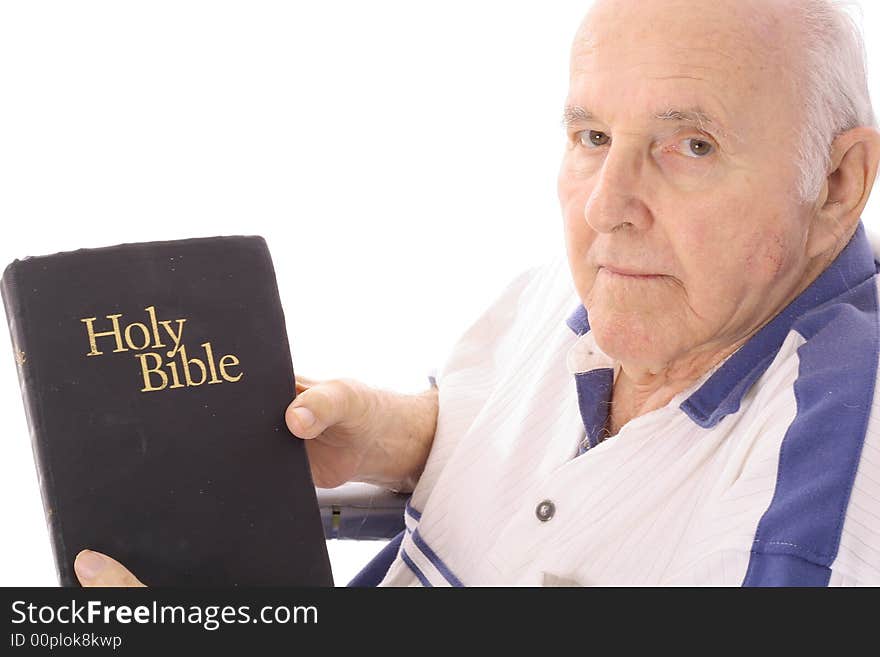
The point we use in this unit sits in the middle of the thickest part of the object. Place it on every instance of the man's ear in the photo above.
(855, 155)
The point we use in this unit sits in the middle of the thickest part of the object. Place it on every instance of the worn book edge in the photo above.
(16, 317)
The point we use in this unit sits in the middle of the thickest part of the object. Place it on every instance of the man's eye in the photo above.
(696, 148)
(593, 138)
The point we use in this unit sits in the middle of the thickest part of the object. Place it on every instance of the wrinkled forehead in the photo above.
(735, 54)
(735, 27)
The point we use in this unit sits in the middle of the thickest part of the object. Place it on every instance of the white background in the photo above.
(399, 157)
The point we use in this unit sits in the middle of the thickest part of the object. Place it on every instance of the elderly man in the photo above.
(690, 398)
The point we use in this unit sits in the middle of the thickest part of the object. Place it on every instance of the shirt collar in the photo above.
(722, 392)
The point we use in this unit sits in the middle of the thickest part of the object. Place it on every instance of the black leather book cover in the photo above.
(155, 378)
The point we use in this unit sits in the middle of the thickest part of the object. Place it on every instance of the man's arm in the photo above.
(407, 424)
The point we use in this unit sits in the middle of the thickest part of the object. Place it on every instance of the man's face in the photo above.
(682, 226)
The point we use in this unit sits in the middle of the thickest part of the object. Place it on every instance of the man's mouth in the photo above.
(626, 272)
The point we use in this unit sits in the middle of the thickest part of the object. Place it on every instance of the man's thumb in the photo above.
(96, 569)
(316, 409)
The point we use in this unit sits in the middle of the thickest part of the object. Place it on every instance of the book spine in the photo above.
(13, 303)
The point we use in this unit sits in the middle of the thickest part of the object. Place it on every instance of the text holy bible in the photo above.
(155, 378)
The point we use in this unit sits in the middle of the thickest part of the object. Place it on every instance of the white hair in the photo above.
(835, 86)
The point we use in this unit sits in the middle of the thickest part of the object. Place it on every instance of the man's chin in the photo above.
(632, 340)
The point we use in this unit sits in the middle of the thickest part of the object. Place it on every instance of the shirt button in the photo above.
(545, 510)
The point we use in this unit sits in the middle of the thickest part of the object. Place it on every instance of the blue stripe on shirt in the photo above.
(798, 536)
(437, 562)
(415, 515)
(413, 567)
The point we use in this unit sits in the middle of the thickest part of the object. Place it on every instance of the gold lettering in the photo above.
(152, 365)
(151, 311)
(146, 371)
(146, 335)
(90, 328)
(173, 367)
(186, 363)
(210, 353)
(175, 337)
(233, 361)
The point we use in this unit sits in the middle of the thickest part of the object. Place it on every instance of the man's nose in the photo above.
(616, 199)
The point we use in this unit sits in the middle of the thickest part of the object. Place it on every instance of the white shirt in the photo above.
(765, 472)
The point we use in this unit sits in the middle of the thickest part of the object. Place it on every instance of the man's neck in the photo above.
(638, 391)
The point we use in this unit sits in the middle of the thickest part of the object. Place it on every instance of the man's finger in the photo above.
(303, 383)
(96, 569)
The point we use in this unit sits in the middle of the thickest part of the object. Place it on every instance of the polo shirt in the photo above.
(766, 471)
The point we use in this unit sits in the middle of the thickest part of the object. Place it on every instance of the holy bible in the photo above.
(155, 377)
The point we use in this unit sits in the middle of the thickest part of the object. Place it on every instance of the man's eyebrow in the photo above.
(695, 116)
(575, 114)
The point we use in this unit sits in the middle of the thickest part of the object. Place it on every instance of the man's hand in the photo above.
(96, 569)
(357, 433)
